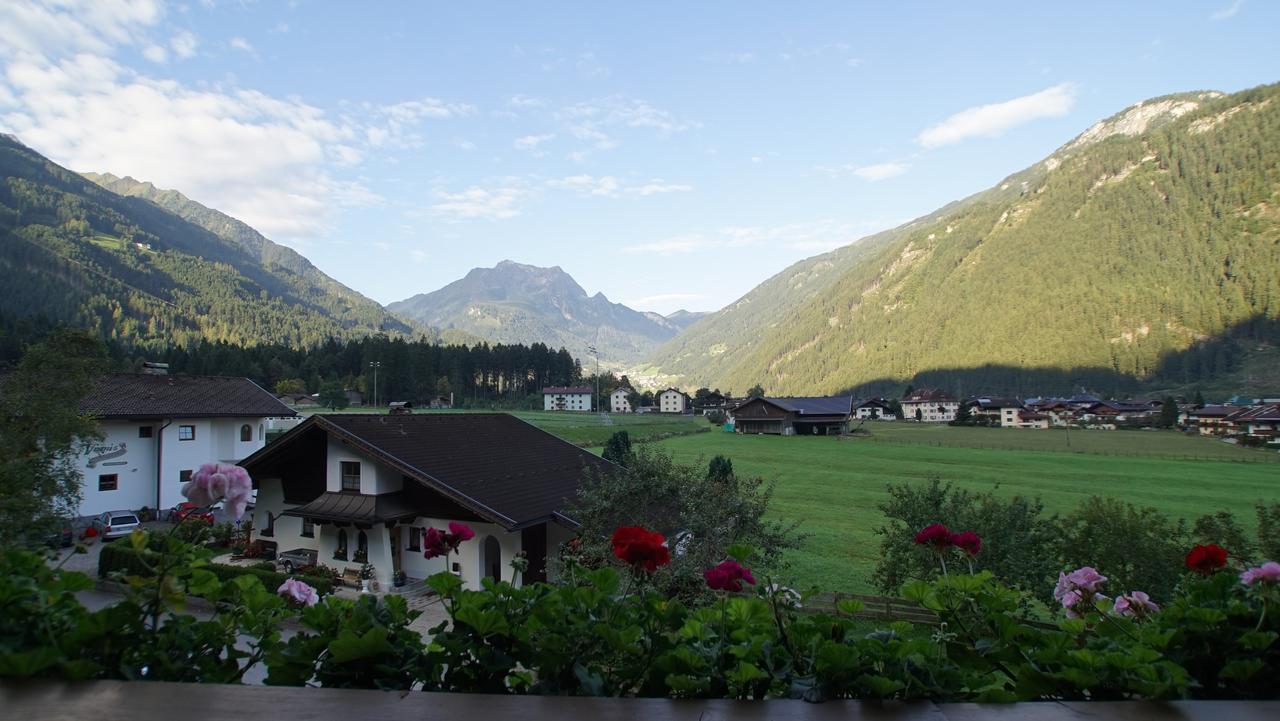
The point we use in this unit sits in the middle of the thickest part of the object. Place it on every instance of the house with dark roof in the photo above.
(674, 400)
(875, 409)
(157, 429)
(821, 416)
(930, 405)
(567, 398)
(361, 488)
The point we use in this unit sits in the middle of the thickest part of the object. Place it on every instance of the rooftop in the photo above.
(134, 395)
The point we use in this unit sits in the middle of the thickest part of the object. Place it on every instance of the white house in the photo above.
(934, 406)
(570, 398)
(618, 402)
(876, 409)
(362, 488)
(157, 429)
(674, 401)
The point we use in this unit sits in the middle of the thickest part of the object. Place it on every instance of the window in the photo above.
(340, 554)
(144, 431)
(108, 482)
(246, 433)
(270, 529)
(261, 431)
(186, 433)
(350, 475)
(415, 538)
(362, 548)
(308, 528)
(184, 476)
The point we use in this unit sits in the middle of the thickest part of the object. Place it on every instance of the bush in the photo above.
(618, 449)
(1141, 548)
(716, 418)
(194, 531)
(121, 557)
(1222, 529)
(1018, 541)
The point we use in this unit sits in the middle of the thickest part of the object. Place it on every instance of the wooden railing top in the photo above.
(150, 701)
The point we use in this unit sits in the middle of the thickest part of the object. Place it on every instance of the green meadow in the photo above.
(833, 487)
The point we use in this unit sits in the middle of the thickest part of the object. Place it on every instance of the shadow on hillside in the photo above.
(1198, 365)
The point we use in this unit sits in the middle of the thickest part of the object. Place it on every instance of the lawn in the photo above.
(833, 486)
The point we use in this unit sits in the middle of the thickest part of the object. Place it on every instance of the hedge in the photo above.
(121, 557)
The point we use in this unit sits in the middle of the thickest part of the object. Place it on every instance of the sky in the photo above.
(669, 155)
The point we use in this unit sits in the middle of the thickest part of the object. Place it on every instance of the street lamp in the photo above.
(375, 365)
(592, 350)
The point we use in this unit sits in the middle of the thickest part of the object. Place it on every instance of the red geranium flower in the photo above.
(437, 543)
(1207, 559)
(936, 535)
(968, 541)
(728, 576)
(640, 547)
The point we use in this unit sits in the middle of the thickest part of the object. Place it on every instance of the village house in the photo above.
(934, 406)
(714, 401)
(1212, 420)
(567, 398)
(158, 429)
(820, 416)
(673, 400)
(618, 402)
(360, 488)
(1259, 421)
(875, 409)
(998, 411)
(298, 400)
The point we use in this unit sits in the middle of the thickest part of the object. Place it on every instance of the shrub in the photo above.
(1269, 530)
(121, 557)
(193, 530)
(1018, 539)
(1139, 547)
(1222, 529)
(716, 418)
(618, 449)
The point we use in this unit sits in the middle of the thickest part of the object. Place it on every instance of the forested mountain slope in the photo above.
(74, 252)
(518, 303)
(1126, 252)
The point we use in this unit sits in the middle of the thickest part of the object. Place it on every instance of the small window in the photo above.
(186, 433)
(308, 528)
(108, 482)
(350, 475)
(340, 553)
(184, 476)
(415, 538)
(246, 433)
(145, 431)
(362, 548)
(261, 432)
(270, 529)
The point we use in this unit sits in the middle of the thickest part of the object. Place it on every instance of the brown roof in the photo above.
(357, 507)
(928, 395)
(133, 395)
(494, 464)
(564, 390)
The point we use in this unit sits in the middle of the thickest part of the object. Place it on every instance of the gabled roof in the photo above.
(811, 405)
(864, 402)
(926, 395)
(494, 464)
(136, 395)
(985, 402)
(565, 390)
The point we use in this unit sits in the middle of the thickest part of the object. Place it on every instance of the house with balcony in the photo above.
(933, 405)
(873, 409)
(567, 398)
(158, 429)
(361, 488)
(674, 400)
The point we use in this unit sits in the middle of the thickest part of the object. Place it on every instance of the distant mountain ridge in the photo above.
(517, 303)
(1124, 252)
(155, 269)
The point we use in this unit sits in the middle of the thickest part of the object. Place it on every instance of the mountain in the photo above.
(682, 318)
(1146, 250)
(517, 303)
(153, 268)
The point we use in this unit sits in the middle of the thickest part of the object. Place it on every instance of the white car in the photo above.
(117, 524)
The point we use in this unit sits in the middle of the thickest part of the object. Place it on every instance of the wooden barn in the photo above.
(821, 416)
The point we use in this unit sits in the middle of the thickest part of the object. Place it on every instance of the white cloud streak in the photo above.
(478, 203)
(993, 119)
(1227, 12)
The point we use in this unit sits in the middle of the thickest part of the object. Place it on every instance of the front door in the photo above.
(395, 548)
(491, 559)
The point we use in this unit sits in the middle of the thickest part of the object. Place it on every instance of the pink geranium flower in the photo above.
(1268, 572)
(298, 592)
(214, 482)
(1078, 587)
(1135, 605)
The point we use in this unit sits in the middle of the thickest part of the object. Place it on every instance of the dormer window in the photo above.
(350, 475)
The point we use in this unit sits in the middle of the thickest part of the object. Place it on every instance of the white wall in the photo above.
(216, 439)
(288, 529)
(671, 402)
(566, 402)
(619, 403)
(375, 478)
(135, 469)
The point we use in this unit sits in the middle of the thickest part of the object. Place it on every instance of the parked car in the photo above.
(116, 524)
(187, 509)
(297, 558)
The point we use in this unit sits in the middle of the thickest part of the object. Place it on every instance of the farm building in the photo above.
(822, 416)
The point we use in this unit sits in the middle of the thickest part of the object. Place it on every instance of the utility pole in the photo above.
(592, 350)
(375, 365)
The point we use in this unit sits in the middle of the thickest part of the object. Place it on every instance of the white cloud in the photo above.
(464, 144)
(419, 256)
(606, 186)
(993, 119)
(590, 121)
(531, 142)
(658, 186)
(239, 43)
(33, 28)
(881, 171)
(395, 125)
(184, 44)
(526, 101)
(477, 203)
(812, 236)
(156, 54)
(1227, 12)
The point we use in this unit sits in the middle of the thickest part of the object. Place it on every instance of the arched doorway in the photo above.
(491, 559)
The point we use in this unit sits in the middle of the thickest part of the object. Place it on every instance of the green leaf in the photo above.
(350, 647)
(745, 673)
(138, 539)
(879, 686)
(1241, 669)
(850, 606)
(202, 583)
(917, 591)
(1258, 640)
(740, 552)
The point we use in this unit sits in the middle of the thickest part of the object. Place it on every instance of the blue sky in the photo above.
(667, 154)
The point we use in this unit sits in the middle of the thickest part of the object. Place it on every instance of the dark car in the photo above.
(187, 509)
(61, 538)
(297, 558)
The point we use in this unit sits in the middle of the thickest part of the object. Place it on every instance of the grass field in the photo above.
(833, 486)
